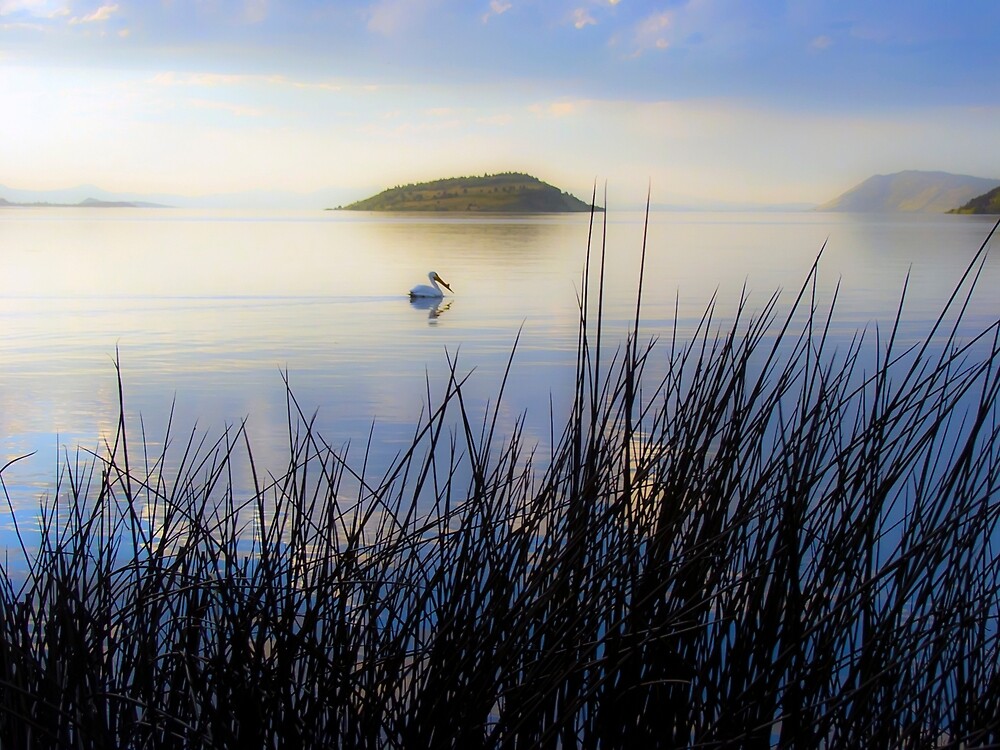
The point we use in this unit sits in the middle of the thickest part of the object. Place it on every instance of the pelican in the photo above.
(422, 290)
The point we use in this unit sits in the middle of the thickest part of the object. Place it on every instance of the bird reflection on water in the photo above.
(434, 306)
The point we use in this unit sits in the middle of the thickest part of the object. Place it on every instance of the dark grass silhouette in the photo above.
(750, 538)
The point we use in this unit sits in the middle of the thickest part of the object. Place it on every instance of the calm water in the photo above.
(208, 309)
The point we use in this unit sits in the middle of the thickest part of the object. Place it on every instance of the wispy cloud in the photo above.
(821, 42)
(22, 26)
(581, 18)
(255, 11)
(212, 80)
(238, 110)
(652, 31)
(101, 14)
(561, 108)
(170, 78)
(39, 8)
(711, 24)
(497, 8)
(591, 13)
(499, 120)
(389, 17)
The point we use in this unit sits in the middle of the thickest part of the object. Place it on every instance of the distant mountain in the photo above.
(85, 203)
(66, 197)
(911, 191)
(269, 200)
(983, 204)
(509, 192)
(250, 199)
(725, 207)
(94, 203)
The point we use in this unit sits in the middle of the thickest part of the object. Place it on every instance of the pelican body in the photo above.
(423, 290)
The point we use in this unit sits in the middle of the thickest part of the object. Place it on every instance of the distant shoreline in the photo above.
(87, 203)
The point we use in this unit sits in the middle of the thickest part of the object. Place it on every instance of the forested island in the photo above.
(509, 192)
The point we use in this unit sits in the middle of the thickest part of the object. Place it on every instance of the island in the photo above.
(507, 192)
(988, 203)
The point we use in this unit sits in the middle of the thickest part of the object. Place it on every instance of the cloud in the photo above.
(388, 17)
(239, 110)
(651, 30)
(721, 26)
(21, 27)
(101, 14)
(497, 8)
(212, 80)
(500, 119)
(35, 8)
(582, 18)
(821, 42)
(255, 11)
(562, 108)
(170, 78)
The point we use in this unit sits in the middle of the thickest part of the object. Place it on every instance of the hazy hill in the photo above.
(95, 203)
(510, 192)
(983, 204)
(911, 191)
(85, 203)
(81, 195)
(250, 199)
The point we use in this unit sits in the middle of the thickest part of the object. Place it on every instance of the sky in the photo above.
(696, 100)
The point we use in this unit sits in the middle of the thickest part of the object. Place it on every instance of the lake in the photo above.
(207, 310)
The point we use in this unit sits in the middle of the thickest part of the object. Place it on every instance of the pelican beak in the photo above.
(442, 282)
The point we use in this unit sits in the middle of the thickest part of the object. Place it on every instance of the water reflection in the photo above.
(435, 307)
(318, 297)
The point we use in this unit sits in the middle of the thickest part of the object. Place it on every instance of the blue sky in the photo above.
(707, 100)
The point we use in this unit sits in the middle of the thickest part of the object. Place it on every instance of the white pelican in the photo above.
(422, 290)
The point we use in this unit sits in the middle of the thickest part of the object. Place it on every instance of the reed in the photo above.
(755, 536)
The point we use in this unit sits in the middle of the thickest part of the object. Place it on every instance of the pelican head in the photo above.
(435, 278)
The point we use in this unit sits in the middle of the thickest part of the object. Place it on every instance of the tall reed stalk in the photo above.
(751, 537)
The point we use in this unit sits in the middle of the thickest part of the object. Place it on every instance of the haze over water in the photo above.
(209, 309)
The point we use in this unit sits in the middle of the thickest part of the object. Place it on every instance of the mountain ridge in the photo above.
(85, 203)
(248, 199)
(911, 191)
